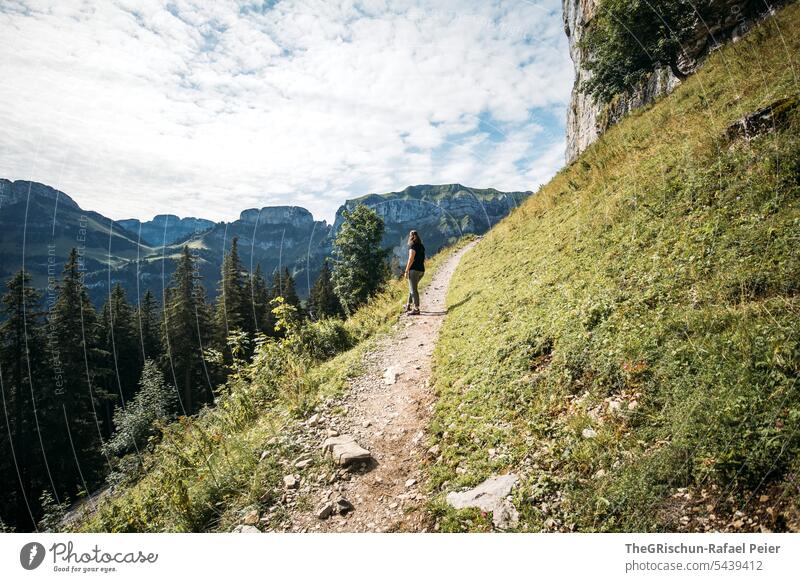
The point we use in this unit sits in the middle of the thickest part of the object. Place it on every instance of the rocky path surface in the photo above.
(384, 413)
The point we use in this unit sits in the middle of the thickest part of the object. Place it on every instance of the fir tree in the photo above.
(322, 301)
(186, 333)
(148, 328)
(232, 309)
(283, 286)
(121, 341)
(283, 289)
(260, 297)
(154, 402)
(23, 468)
(360, 268)
(78, 361)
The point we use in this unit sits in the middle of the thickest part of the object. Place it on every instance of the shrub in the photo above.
(325, 338)
(153, 403)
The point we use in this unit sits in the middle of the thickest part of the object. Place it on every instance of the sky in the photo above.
(206, 108)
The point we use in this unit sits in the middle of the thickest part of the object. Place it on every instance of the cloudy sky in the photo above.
(204, 108)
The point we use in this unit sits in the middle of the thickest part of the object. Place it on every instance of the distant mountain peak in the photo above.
(294, 215)
(13, 192)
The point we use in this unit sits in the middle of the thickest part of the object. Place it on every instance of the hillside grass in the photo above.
(628, 340)
(206, 470)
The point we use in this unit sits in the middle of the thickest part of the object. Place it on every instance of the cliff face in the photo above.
(296, 216)
(165, 229)
(582, 111)
(447, 204)
(441, 213)
(587, 119)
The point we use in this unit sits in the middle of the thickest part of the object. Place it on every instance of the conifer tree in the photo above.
(359, 269)
(120, 340)
(283, 286)
(232, 302)
(78, 361)
(322, 301)
(259, 301)
(22, 468)
(154, 402)
(283, 289)
(186, 333)
(148, 328)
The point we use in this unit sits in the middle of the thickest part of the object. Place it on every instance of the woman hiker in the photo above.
(415, 269)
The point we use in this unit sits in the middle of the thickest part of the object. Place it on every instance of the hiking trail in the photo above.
(386, 410)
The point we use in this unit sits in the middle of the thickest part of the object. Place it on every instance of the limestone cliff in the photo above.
(441, 213)
(587, 119)
(296, 216)
(165, 229)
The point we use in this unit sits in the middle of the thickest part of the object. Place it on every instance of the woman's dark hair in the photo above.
(413, 237)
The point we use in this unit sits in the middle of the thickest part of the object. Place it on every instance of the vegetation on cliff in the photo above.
(628, 39)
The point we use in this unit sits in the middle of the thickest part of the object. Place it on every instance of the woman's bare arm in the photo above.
(411, 254)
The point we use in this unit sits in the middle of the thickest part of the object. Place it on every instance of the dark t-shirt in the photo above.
(418, 264)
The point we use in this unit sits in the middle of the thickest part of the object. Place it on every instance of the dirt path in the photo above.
(387, 411)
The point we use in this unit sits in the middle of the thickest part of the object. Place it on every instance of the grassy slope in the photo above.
(648, 293)
(207, 469)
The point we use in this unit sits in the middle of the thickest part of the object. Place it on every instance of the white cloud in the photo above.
(207, 108)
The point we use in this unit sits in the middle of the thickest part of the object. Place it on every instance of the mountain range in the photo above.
(39, 225)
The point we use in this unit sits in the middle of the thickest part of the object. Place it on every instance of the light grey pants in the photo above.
(413, 283)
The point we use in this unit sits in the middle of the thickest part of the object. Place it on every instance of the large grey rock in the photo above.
(345, 450)
(245, 529)
(585, 119)
(490, 496)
